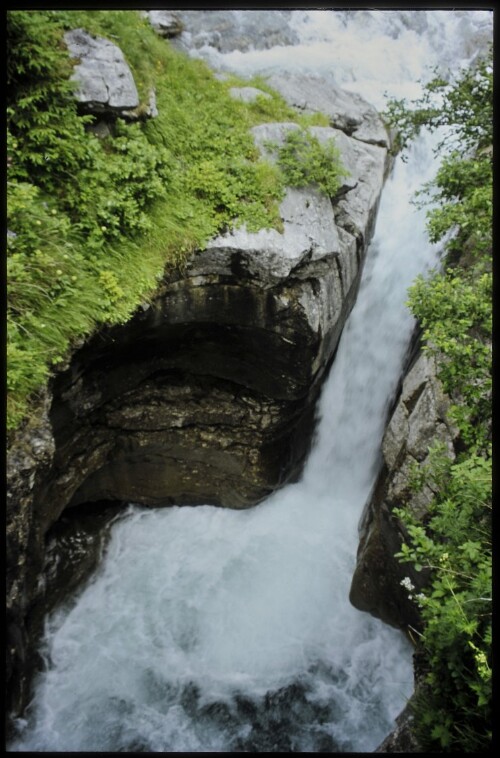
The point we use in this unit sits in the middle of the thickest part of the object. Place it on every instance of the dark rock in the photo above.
(73, 548)
(418, 419)
(29, 460)
(205, 396)
(402, 738)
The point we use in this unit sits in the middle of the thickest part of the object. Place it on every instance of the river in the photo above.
(208, 629)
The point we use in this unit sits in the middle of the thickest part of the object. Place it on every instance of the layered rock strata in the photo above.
(208, 394)
(205, 396)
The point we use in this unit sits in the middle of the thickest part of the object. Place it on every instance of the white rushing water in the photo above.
(207, 629)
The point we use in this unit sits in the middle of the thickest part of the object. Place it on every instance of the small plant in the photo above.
(304, 160)
(455, 545)
(463, 104)
(455, 311)
(453, 707)
(94, 223)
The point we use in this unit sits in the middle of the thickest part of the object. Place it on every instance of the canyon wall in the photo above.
(207, 394)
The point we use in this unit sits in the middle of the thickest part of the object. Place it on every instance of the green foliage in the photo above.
(455, 712)
(274, 108)
(304, 160)
(462, 103)
(114, 194)
(463, 198)
(455, 311)
(44, 269)
(46, 136)
(93, 222)
(453, 708)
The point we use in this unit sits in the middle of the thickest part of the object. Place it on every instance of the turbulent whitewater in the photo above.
(207, 629)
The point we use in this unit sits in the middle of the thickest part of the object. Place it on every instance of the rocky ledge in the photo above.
(205, 396)
(418, 420)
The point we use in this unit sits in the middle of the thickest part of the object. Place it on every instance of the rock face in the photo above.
(105, 81)
(233, 30)
(205, 396)
(402, 738)
(418, 419)
(347, 111)
(29, 461)
(165, 23)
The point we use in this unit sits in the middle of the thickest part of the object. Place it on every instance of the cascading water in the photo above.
(207, 629)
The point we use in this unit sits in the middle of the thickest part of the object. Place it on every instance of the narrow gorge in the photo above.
(255, 385)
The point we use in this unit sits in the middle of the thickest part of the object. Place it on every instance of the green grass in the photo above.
(96, 221)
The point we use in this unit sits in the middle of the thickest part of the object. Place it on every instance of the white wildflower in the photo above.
(407, 584)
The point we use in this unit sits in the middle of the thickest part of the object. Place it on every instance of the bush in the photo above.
(304, 160)
(94, 223)
(454, 710)
(462, 104)
(455, 311)
(453, 705)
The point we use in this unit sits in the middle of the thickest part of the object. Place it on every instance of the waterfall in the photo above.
(207, 629)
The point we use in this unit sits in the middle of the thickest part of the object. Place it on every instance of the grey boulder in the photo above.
(104, 79)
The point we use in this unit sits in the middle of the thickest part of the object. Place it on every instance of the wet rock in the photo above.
(402, 738)
(205, 396)
(215, 397)
(29, 460)
(419, 418)
(73, 548)
(229, 30)
(104, 79)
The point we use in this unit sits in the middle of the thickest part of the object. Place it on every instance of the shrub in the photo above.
(453, 710)
(112, 214)
(453, 704)
(304, 160)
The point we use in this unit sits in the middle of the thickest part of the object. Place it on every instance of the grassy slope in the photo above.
(97, 221)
